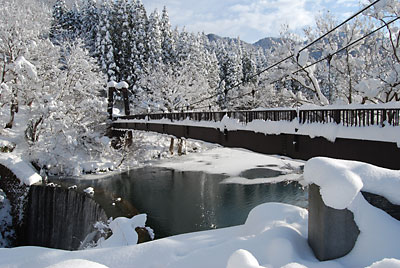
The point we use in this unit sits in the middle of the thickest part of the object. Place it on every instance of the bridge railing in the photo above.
(345, 117)
(352, 117)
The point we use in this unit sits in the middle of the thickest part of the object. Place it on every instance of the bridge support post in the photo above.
(123, 87)
(110, 105)
(126, 101)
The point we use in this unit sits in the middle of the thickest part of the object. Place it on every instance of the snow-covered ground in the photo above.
(274, 235)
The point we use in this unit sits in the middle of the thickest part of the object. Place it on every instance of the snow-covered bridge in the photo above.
(366, 133)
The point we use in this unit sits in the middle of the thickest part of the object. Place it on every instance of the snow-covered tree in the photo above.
(167, 43)
(382, 81)
(90, 21)
(154, 40)
(66, 129)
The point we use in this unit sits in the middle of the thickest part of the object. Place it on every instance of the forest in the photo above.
(56, 60)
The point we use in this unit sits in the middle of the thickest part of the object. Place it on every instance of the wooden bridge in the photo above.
(298, 146)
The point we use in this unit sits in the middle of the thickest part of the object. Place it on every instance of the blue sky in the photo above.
(251, 20)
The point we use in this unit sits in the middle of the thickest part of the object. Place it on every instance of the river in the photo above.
(178, 202)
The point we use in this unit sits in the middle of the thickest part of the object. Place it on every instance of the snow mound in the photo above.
(278, 214)
(77, 263)
(339, 185)
(123, 230)
(24, 171)
(242, 259)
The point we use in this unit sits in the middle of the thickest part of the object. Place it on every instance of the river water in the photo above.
(178, 202)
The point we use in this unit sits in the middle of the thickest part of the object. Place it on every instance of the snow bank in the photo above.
(24, 171)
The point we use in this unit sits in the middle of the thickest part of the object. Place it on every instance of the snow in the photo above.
(123, 232)
(203, 249)
(340, 184)
(303, 58)
(77, 263)
(112, 84)
(242, 259)
(336, 191)
(89, 190)
(121, 85)
(232, 162)
(24, 171)
(21, 64)
(342, 180)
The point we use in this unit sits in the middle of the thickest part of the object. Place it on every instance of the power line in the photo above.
(290, 56)
(323, 59)
(347, 46)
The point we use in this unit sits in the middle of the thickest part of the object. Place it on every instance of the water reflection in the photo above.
(178, 202)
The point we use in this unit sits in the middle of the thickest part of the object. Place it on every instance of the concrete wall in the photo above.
(16, 192)
(383, 154)
(332, 233)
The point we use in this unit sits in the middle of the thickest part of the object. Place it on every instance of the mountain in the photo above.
(265, 43)
(214, 37)
(268, 42)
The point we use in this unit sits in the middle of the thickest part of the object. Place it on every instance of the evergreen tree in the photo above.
(90, 22)
(154, 40)
(104, 43)
(167, 43)
(121, 39)
(139, 45)
(59, 17)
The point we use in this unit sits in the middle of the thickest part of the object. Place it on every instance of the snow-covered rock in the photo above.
(123, 231)
(23, 170)
(89, 190)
